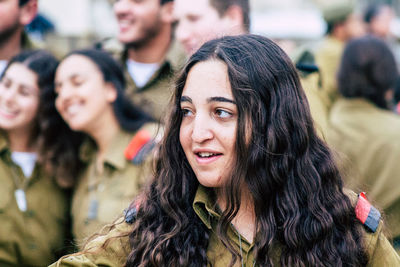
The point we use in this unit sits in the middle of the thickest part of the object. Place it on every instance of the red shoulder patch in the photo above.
(366, 213)
(141, 138)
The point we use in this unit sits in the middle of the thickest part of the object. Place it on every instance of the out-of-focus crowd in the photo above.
(78, 132)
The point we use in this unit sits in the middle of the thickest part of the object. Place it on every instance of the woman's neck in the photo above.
(244, 221)
(103, 135)
(21, 141)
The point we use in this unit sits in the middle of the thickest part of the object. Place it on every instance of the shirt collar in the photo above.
(174, 58)
(204, 206)
(27, 43)
(114, 155)
(3, 142)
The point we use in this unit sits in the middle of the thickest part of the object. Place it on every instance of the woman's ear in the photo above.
(111, 92)
(28, 12)
(167, 10)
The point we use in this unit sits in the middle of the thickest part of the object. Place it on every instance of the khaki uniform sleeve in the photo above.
(318, 101)
(328, 60)
(75, 261)
(380, 251)
(110, 250)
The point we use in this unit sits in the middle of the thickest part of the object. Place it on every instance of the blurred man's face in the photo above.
(138, 20)
(196, 22)
(354, 26)
(380, 25)
(9, 19)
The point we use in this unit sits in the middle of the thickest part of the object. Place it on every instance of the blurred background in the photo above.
(78, 23)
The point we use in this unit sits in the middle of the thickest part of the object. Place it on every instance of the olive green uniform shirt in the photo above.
(155, 95)
(115, 254)
(327, 57)
(318, 102)
(99, 199)
(34, 237)
(367, 139)
(311, 81)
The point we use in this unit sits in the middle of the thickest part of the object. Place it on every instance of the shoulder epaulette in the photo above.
(366, 213)
(139, 147)
(307, 67)
(131, 212)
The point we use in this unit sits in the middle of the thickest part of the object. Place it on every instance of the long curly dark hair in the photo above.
(294, 183)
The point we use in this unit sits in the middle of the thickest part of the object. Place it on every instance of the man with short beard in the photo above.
(147, 51)
(14, 15)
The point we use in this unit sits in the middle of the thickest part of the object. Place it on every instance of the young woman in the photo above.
(33, 207)
(242, 178)
(365, 129)
(90, 98)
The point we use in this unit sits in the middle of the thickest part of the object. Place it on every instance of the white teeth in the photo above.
(124, 22)
(73, 109)
(205, 154)
(7, 111)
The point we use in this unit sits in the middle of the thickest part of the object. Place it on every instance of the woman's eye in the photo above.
(6, 83)
(223, 113)
(186, 112)
(77, 83)
(24, 91)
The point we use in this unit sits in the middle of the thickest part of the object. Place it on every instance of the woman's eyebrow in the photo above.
(220, 99)
(186, 99)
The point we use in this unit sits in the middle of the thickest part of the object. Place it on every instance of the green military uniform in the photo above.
(327, 57)
(318, 102)
(99, 199)
(154, 96)
(310, 79)
(36, 236)
(367, 138)
(115, 254)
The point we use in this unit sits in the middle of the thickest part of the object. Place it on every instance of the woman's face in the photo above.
(208, 129)
(82, 94)
(19, 98)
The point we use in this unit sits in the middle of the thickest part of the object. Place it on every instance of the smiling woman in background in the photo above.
(119, 136)
(242, 178)
(33, 207)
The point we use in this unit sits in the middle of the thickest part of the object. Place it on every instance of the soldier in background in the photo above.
(14, 15)
(364, 130)
(343, 24)
(202, 20)
(147, 51)
(34, 204)
(378, 18)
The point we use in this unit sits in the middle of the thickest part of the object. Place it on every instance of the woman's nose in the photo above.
(202, 129)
